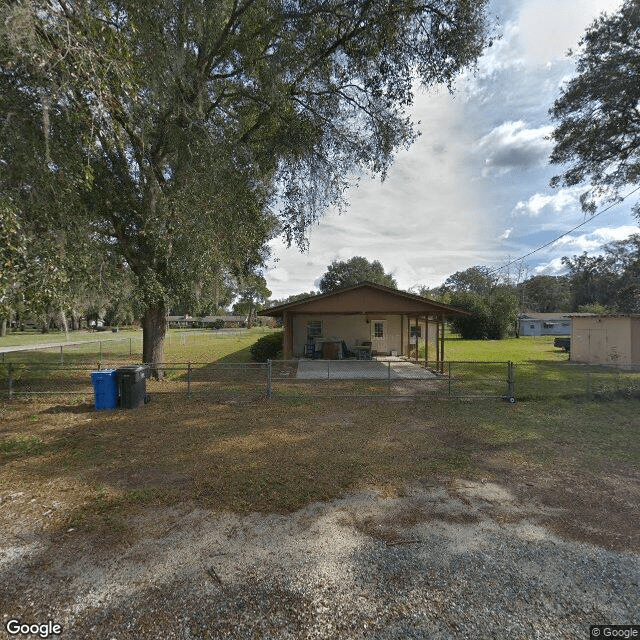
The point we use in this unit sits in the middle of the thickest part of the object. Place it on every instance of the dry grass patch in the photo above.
(73, 467)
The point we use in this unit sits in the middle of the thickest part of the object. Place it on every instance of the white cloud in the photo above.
(552, 268)
(593, 243)
(513, 145)
(505, 234)
(557, 202)
(549, 29)
(595, 240)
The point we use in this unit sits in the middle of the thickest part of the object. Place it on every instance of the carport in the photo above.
(394, 323)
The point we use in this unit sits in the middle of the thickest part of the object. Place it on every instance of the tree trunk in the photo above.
(3, 327)
(154, 327)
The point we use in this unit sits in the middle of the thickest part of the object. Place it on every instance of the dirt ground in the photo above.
(126, 546)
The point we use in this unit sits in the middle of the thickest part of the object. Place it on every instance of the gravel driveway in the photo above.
(455, 560)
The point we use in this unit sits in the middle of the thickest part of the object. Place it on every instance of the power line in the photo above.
(566, 233)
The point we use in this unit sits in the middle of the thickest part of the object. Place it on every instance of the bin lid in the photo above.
(107, 373)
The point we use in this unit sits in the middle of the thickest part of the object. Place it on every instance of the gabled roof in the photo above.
(365, 297)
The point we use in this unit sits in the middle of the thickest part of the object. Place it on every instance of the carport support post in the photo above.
(389, 377)
(426, 340)
(442, 344)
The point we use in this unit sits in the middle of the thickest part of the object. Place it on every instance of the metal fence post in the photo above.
(388, 377)
(189, 379)
(130, 346)
(511, 397)
(61, 356)
(269, 373)
(449, 364)
(100, 350)
(328, 369)
(10, 380)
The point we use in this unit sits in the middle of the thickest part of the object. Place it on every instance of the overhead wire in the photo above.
(566, 233)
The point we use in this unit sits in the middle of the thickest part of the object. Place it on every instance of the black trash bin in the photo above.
(132, 381)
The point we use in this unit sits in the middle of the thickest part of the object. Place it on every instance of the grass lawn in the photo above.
(248, 453)
(126, 346)
(525, 349)
(280, 455)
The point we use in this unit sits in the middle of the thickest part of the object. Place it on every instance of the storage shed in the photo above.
(606, 339)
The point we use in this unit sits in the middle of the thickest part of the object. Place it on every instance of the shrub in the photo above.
(218, 324)
(267, 347)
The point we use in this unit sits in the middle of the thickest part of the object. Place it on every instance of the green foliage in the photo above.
(183, 137)
(253, 294)
(594, 307)
(493, 316)
(546, 294)
(218, 324)
(596, 114)
(351, 272)
(267, 347)
(478, 280)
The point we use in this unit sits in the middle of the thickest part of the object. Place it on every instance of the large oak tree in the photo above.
(597, 115)
(195, 130)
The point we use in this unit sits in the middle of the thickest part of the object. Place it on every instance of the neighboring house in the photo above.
(205, 321)
(606, 339)
(392, 321)
(532, 323)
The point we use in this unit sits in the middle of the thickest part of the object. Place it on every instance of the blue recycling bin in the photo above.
(105, 388)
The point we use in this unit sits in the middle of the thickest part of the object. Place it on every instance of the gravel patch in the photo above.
(436, 563)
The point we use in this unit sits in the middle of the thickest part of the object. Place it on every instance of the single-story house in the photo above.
(391, 322)
(532, 323)
(606, 339)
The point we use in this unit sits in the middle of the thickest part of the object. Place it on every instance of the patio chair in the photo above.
(345, 351)
(364, 350)
(310, 349)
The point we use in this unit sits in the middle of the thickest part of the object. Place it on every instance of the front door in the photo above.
(379, 336)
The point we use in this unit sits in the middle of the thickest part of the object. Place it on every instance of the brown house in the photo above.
(392, 322)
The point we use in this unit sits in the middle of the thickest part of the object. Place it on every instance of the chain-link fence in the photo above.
(349, 378)
(81, 352)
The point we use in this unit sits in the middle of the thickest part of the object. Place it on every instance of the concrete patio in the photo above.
(394, 368)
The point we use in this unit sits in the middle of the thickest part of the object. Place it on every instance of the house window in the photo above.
(378, 329)
(532, 326)
(314, 328)
(416, 332)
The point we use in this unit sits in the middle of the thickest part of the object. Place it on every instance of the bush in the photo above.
(493, 316)
(267, 347)
(218, 324)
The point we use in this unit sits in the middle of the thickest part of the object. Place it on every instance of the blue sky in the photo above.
(474, 188)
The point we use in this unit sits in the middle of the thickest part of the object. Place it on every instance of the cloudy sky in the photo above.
(474, 188)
